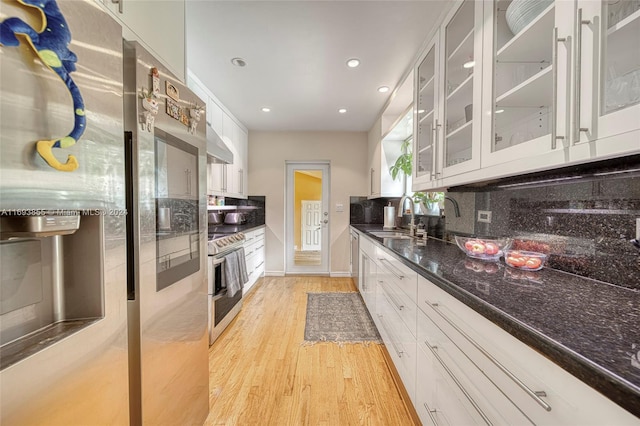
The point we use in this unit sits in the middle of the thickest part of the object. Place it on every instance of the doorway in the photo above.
(307, 218)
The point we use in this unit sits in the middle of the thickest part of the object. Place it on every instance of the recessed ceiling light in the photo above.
(266, 109)
(238, 62)
(342, 110)
(353, 62)
(469, 64)
(383, 89)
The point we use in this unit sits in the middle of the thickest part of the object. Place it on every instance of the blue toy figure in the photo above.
(51, 45)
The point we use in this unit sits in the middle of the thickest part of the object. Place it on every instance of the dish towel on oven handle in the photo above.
(235, 269)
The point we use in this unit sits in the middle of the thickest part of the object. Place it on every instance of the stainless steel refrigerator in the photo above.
(165, 146)
(103, 304)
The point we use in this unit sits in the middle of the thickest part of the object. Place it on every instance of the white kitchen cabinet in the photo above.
(400, 342)
(448, 94)
(381, 156)
(254, 251)
(367, 281)
(606, 79)
(546, 106)
(224, 179)
(508, 382)
(395, 311)
(526, 105)
(158, 25)
(562, 90)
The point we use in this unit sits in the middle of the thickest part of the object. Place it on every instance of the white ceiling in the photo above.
(296, 53)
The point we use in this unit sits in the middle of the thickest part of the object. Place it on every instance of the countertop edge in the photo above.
(610, 385)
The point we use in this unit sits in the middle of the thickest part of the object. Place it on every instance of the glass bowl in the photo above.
(483, 248)
(525, 260)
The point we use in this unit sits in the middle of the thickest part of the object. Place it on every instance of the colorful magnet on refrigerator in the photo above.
(150, 106)
(194, 114)
(51, 45)
(155, 82)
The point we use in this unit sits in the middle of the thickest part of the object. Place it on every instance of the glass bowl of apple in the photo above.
(483, 248)
(525, 260)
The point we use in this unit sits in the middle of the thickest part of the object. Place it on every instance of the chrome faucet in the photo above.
(401, 210)
(456, 208)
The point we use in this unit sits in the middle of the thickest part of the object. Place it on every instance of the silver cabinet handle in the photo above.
(241, 181)
(554, 89)
(431, 413)
(533, 394)
(433, 350)
(120, 5)
(390, 339)
(392, 268)
(372, 172)
(389, 297)
(364, 268)
(577, 77)
(435, 148)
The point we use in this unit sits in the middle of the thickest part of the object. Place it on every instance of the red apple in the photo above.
(478, 248)
(491, 248)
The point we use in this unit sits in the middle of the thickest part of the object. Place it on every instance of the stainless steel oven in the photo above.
(222, 308)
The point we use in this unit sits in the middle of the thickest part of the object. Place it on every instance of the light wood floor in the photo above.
(307, 258)
(261, 374)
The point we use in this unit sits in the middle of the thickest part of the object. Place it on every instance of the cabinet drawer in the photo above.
(403, 306)
(483, 400)
(544, 392)
(395, 271)
(252, 236)
(438, 399)
(368, 247)
(400, 343)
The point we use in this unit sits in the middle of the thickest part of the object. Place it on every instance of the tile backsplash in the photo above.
(583, 217)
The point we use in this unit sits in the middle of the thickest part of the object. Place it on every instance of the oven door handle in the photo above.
(218, 260)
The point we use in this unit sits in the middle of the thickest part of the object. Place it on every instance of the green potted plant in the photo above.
(429, 201)
(404, 163)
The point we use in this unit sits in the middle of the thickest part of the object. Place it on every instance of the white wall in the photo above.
(347, 152)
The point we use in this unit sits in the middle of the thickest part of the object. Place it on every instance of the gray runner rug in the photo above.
(340, 318)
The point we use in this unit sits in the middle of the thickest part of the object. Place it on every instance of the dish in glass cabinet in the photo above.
(521, 12)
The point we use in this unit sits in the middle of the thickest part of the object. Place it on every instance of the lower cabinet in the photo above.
(497, 378)
(254, 252)
(458, 367)
(400, 343)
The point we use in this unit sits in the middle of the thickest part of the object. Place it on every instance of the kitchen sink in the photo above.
(390, 234)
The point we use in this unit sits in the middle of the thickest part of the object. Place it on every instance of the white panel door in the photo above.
(311, 225)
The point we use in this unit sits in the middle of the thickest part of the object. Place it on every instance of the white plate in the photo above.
(521, 12)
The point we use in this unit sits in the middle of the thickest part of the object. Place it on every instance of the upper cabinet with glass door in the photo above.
(462, 76)
(606, 78)
(447, 98)
(426, 122)
(526, 86)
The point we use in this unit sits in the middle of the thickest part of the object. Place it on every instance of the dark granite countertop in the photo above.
(588, 327)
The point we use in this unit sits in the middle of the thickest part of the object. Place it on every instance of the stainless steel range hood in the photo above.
(217, 150)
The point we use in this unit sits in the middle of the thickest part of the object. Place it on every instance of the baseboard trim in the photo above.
(274, 273)
(344, 274)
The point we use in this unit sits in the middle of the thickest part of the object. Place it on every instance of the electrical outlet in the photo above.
(484, 216)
